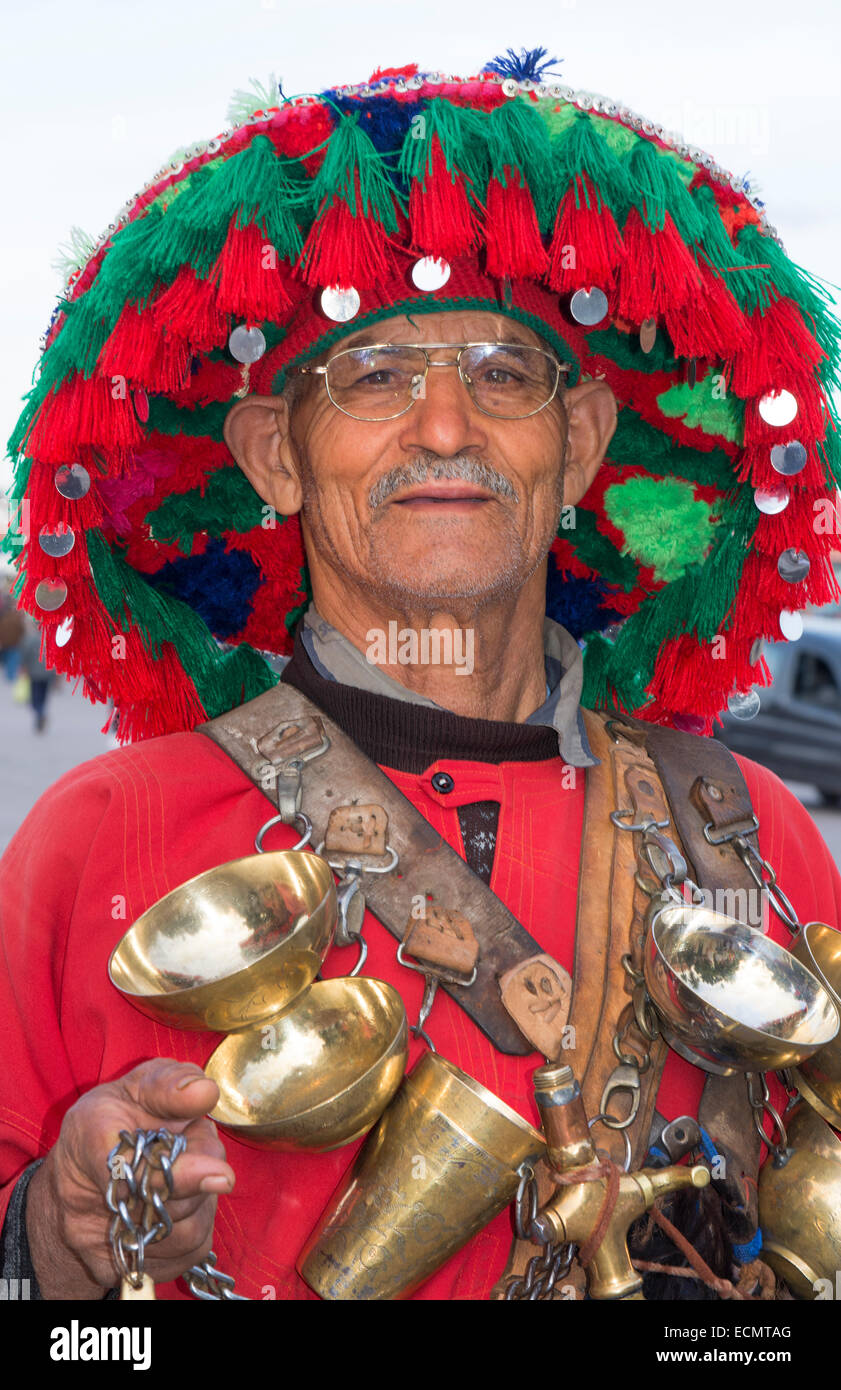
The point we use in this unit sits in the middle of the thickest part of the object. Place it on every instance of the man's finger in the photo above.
(170, 1091)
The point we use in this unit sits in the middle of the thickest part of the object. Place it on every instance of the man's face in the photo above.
(373, 509)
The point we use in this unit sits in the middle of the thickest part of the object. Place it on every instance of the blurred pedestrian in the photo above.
(11, 632)
(41, 679)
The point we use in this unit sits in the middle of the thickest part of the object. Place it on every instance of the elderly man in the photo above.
(444, 438)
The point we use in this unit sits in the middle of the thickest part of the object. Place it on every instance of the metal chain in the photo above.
(758, 867)
(761, 1106)
(537, 1282)
(141, 1217)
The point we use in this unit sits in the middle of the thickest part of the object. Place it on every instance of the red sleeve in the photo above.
(40, 875)
(795, 849)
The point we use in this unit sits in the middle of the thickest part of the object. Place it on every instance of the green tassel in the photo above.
(584, 149)
(462, 134)
(351, 155)
(792, 282)
(189, 234)
(637, 443)
(518, 140)
(229, 504)
(751, 288)
(657, 189)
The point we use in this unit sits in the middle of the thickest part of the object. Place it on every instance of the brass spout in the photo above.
(574, 1210)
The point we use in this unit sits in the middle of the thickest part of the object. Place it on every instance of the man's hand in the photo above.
(67, 1219)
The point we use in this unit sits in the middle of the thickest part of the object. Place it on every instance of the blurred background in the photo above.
(97, 96)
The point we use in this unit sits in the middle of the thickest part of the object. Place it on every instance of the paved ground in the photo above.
(30, 762)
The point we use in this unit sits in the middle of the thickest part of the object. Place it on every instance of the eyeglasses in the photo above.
(381, 382)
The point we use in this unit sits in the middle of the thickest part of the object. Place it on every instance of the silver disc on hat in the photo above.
(588, 306)
(72, 481)
(791, 625)
(247, 344)
(771, 500)
(340, 305)
(755, 651)
(793, 565)
(50, 594)
(744, 706)
(58, 542)
(64, 631)
(778, 408)
(788, 459)
(431, 273)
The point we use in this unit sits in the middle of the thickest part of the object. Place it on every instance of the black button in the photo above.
(442, 782)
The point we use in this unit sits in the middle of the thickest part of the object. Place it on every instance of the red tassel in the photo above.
(512, 234)
(214, 381)
(145, 355)
(586, 246)
(251, 283)
(443, 222)
(658, 275)
(345, 250)
(779, 351)
(83, 412)
(189, 309)
(711, 324)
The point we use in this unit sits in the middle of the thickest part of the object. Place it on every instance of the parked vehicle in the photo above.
(797, 732)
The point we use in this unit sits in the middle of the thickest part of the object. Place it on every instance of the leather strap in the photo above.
(265, 731)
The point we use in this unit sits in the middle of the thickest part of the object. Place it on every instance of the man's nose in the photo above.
(443, 418)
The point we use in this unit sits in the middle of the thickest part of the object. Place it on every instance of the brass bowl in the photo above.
(729, 998)
(231, 947)
(818, 1078)
(319, 1075)
(800, 1206)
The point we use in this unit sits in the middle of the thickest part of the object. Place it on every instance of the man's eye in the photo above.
(382, 376)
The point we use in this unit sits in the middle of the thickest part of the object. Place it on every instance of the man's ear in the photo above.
(591, 414)
(257, 434)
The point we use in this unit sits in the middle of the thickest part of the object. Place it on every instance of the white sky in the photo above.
(95, 96)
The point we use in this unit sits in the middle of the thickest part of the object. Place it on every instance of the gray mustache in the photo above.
(466, 470)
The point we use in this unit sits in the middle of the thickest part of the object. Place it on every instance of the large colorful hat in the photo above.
(157, 573)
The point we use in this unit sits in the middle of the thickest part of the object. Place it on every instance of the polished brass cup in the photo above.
(231, 947)
(800, 1206)
(441, 1164)
(728, 998)
(818, 1078)
(320, 1074)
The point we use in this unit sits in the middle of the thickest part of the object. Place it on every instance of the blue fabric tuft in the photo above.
(530, 65)
(219, 585)
(743, 1254)
(577, 603)
(386, 123)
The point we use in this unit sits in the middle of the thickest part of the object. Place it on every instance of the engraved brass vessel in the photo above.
(231, 947)
(320, 1074)
(728, 998)
(800, 1206)
(818, 1078)
(441, 1163)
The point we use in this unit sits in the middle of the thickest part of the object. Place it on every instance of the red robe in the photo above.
(116, 834)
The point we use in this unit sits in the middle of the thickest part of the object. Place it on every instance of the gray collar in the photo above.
(336, 658)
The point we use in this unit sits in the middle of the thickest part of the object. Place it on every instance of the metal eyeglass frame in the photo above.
(426, 348)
